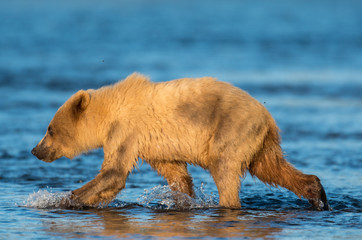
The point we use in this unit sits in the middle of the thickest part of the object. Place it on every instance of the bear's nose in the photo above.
(33, 151)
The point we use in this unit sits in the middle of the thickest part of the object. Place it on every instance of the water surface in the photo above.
(301, 59)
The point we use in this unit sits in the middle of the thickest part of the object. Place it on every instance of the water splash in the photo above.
(163, 198)
(46, 199)
(158, 198)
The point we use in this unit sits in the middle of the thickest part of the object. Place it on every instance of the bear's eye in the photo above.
(50, 131)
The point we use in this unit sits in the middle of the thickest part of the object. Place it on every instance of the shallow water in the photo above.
(301, 59)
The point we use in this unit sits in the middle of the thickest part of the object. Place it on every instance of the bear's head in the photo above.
(65, 134)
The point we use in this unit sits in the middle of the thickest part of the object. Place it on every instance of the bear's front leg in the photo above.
(101, 190)
(176, 175)
(118, 163)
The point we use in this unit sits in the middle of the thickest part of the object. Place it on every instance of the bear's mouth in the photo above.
(48, 160)
(45, 156)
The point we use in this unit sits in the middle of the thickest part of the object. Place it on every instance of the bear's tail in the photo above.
(270, 166)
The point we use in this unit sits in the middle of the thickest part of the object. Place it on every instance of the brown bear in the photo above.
(200, 121)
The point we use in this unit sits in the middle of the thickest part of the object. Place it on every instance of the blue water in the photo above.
(302, 59)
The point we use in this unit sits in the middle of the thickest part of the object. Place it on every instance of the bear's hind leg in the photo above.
(227, 179)
(281, 173)
(270, 167)
(176, 174)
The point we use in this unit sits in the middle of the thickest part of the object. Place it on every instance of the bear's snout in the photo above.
(43, 154)
(33, 151)
(38, 153)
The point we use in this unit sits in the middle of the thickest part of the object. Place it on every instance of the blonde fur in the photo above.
(200, 121)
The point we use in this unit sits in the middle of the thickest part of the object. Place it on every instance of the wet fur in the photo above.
(169, 125)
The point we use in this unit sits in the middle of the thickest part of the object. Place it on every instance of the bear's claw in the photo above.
(320, 203)
(83, 198)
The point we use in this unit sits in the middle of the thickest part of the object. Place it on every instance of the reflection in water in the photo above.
(155, 215)
(140, 221)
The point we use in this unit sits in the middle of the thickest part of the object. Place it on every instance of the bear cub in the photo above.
(201, 121)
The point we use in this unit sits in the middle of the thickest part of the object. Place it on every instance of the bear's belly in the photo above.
(175, 149)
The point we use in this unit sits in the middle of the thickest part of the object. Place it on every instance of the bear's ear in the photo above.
(80, 102)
